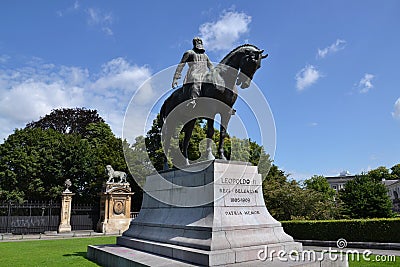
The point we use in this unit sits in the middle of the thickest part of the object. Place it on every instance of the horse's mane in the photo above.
(237, 48)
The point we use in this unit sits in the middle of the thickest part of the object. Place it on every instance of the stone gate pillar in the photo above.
(66, 201)
(115, 208)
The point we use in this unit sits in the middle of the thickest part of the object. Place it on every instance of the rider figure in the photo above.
(199, 63)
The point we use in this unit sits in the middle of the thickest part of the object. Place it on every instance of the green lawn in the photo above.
(72, 252)
(61, 252)
(375, 262)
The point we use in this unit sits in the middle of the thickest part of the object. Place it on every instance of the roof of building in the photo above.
(340, 179)
(390, 182)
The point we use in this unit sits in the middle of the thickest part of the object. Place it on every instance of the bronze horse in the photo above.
(236, 68)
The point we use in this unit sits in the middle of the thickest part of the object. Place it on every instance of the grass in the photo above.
(72, 252)
(61, 252)
(375, 261)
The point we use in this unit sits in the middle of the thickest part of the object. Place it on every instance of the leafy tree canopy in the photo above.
(68, 143)
(366, 197)
(67, 120)
(395, 171)
(381, 173)
(286, 200)
(320, 184)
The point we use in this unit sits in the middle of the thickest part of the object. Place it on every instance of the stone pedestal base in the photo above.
(113, 226)
(212, 214)
(64, 229)
(114, 255)
(115, 207)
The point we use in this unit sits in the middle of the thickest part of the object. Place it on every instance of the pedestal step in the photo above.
(114, 255)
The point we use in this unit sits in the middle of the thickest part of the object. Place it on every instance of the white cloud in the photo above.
(306, 77)
(73, 8)
(333, 48)
(76, 5)
(365, 83)
(118, 73)
(396, 112)
(95, 17)
(33, 91)
(225, 32)
(4, 59)
(99, 18)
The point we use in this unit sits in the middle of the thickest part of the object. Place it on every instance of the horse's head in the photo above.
(249, 64)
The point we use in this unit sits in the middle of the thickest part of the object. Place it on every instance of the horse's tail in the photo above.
(170, 103)
(163, 114)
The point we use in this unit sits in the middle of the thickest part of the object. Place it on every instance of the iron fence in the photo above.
(84, 216)
(29, 217)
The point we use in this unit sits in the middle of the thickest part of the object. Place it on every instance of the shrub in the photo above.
(360, 230)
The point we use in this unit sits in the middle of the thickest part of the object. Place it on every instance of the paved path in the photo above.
(52, 235)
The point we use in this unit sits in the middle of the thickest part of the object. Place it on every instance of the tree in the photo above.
(320, 184)
(67, 120)
(286, 200)
(31, 164)
(153, 144)
(395, 171)
(35, 161)
(381, 173)
(366, 197)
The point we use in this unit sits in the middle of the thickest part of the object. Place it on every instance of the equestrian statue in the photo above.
(206, 92)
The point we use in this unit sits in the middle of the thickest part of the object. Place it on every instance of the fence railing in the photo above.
(29, 217)
(84, 216)
(32, 217)
(38, 217)
(134, 214)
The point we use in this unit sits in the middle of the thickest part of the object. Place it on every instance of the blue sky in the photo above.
(331, 79)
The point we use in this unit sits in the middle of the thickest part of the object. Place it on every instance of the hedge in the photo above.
(360, 230)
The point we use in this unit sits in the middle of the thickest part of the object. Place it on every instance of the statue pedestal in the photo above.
(115, 208)
(210, 214)
(215, 216)
(65, 222)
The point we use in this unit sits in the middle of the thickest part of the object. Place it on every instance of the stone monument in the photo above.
(215, 216)
(66, 201)
(115, 203)
(210, 213)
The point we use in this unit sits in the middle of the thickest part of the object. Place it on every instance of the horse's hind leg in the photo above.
(224, 124)
(210, 134)
(188, 129)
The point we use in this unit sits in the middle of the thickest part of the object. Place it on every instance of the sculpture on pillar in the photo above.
(115, 174)
(115, 203)
(67, 185)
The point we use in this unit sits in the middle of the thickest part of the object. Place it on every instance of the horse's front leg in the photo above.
(224, 124)
(188, 130)
(210, 134)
